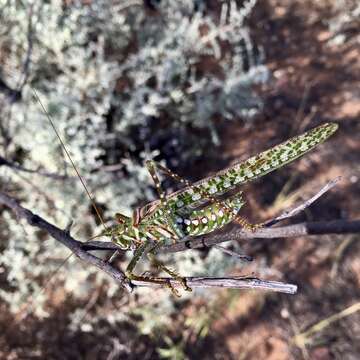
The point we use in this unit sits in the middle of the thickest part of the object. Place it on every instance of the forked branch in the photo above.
(64, 238)
(79, 250)
(234, 232)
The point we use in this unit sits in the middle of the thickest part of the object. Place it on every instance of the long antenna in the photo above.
(71, 161)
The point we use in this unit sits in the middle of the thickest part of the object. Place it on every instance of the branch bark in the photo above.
(236, 233)
(237, 282)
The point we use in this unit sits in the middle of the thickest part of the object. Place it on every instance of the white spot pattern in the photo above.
(213, 189)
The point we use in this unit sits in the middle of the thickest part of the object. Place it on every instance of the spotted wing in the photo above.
(255, 167)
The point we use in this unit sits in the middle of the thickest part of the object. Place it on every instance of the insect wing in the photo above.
(276, 156)
(253, 168)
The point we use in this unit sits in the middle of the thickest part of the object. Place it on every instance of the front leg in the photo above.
(152, 279)
(137, 256)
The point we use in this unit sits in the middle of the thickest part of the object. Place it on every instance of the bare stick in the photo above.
(236, 282)
(290, 213)
(234, 232)
(234, 253)
(81, 249)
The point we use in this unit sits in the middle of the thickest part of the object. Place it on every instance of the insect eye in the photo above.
(120, 218)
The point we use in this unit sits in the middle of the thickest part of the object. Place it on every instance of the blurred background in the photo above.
(196, 85)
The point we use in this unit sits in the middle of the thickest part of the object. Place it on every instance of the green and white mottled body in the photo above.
(195, 223)
(196, 209)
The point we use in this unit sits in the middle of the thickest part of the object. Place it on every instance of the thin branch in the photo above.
(77, 248)
(236, 282)
(234, 232)
(27, 61)
(234, 253)
(81, 249)
(55, 176)
(66, 239)
(290, 213)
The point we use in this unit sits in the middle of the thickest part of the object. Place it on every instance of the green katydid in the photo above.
(196, 209)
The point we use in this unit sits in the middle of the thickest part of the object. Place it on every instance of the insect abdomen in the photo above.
(212, 217)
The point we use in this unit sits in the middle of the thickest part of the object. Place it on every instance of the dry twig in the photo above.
(234, 232)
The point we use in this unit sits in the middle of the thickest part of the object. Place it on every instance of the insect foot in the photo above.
(183, 283)
(174, 290)
(254, 227)
(246, 225)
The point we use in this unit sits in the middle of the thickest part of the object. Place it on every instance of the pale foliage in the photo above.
(105, 72)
